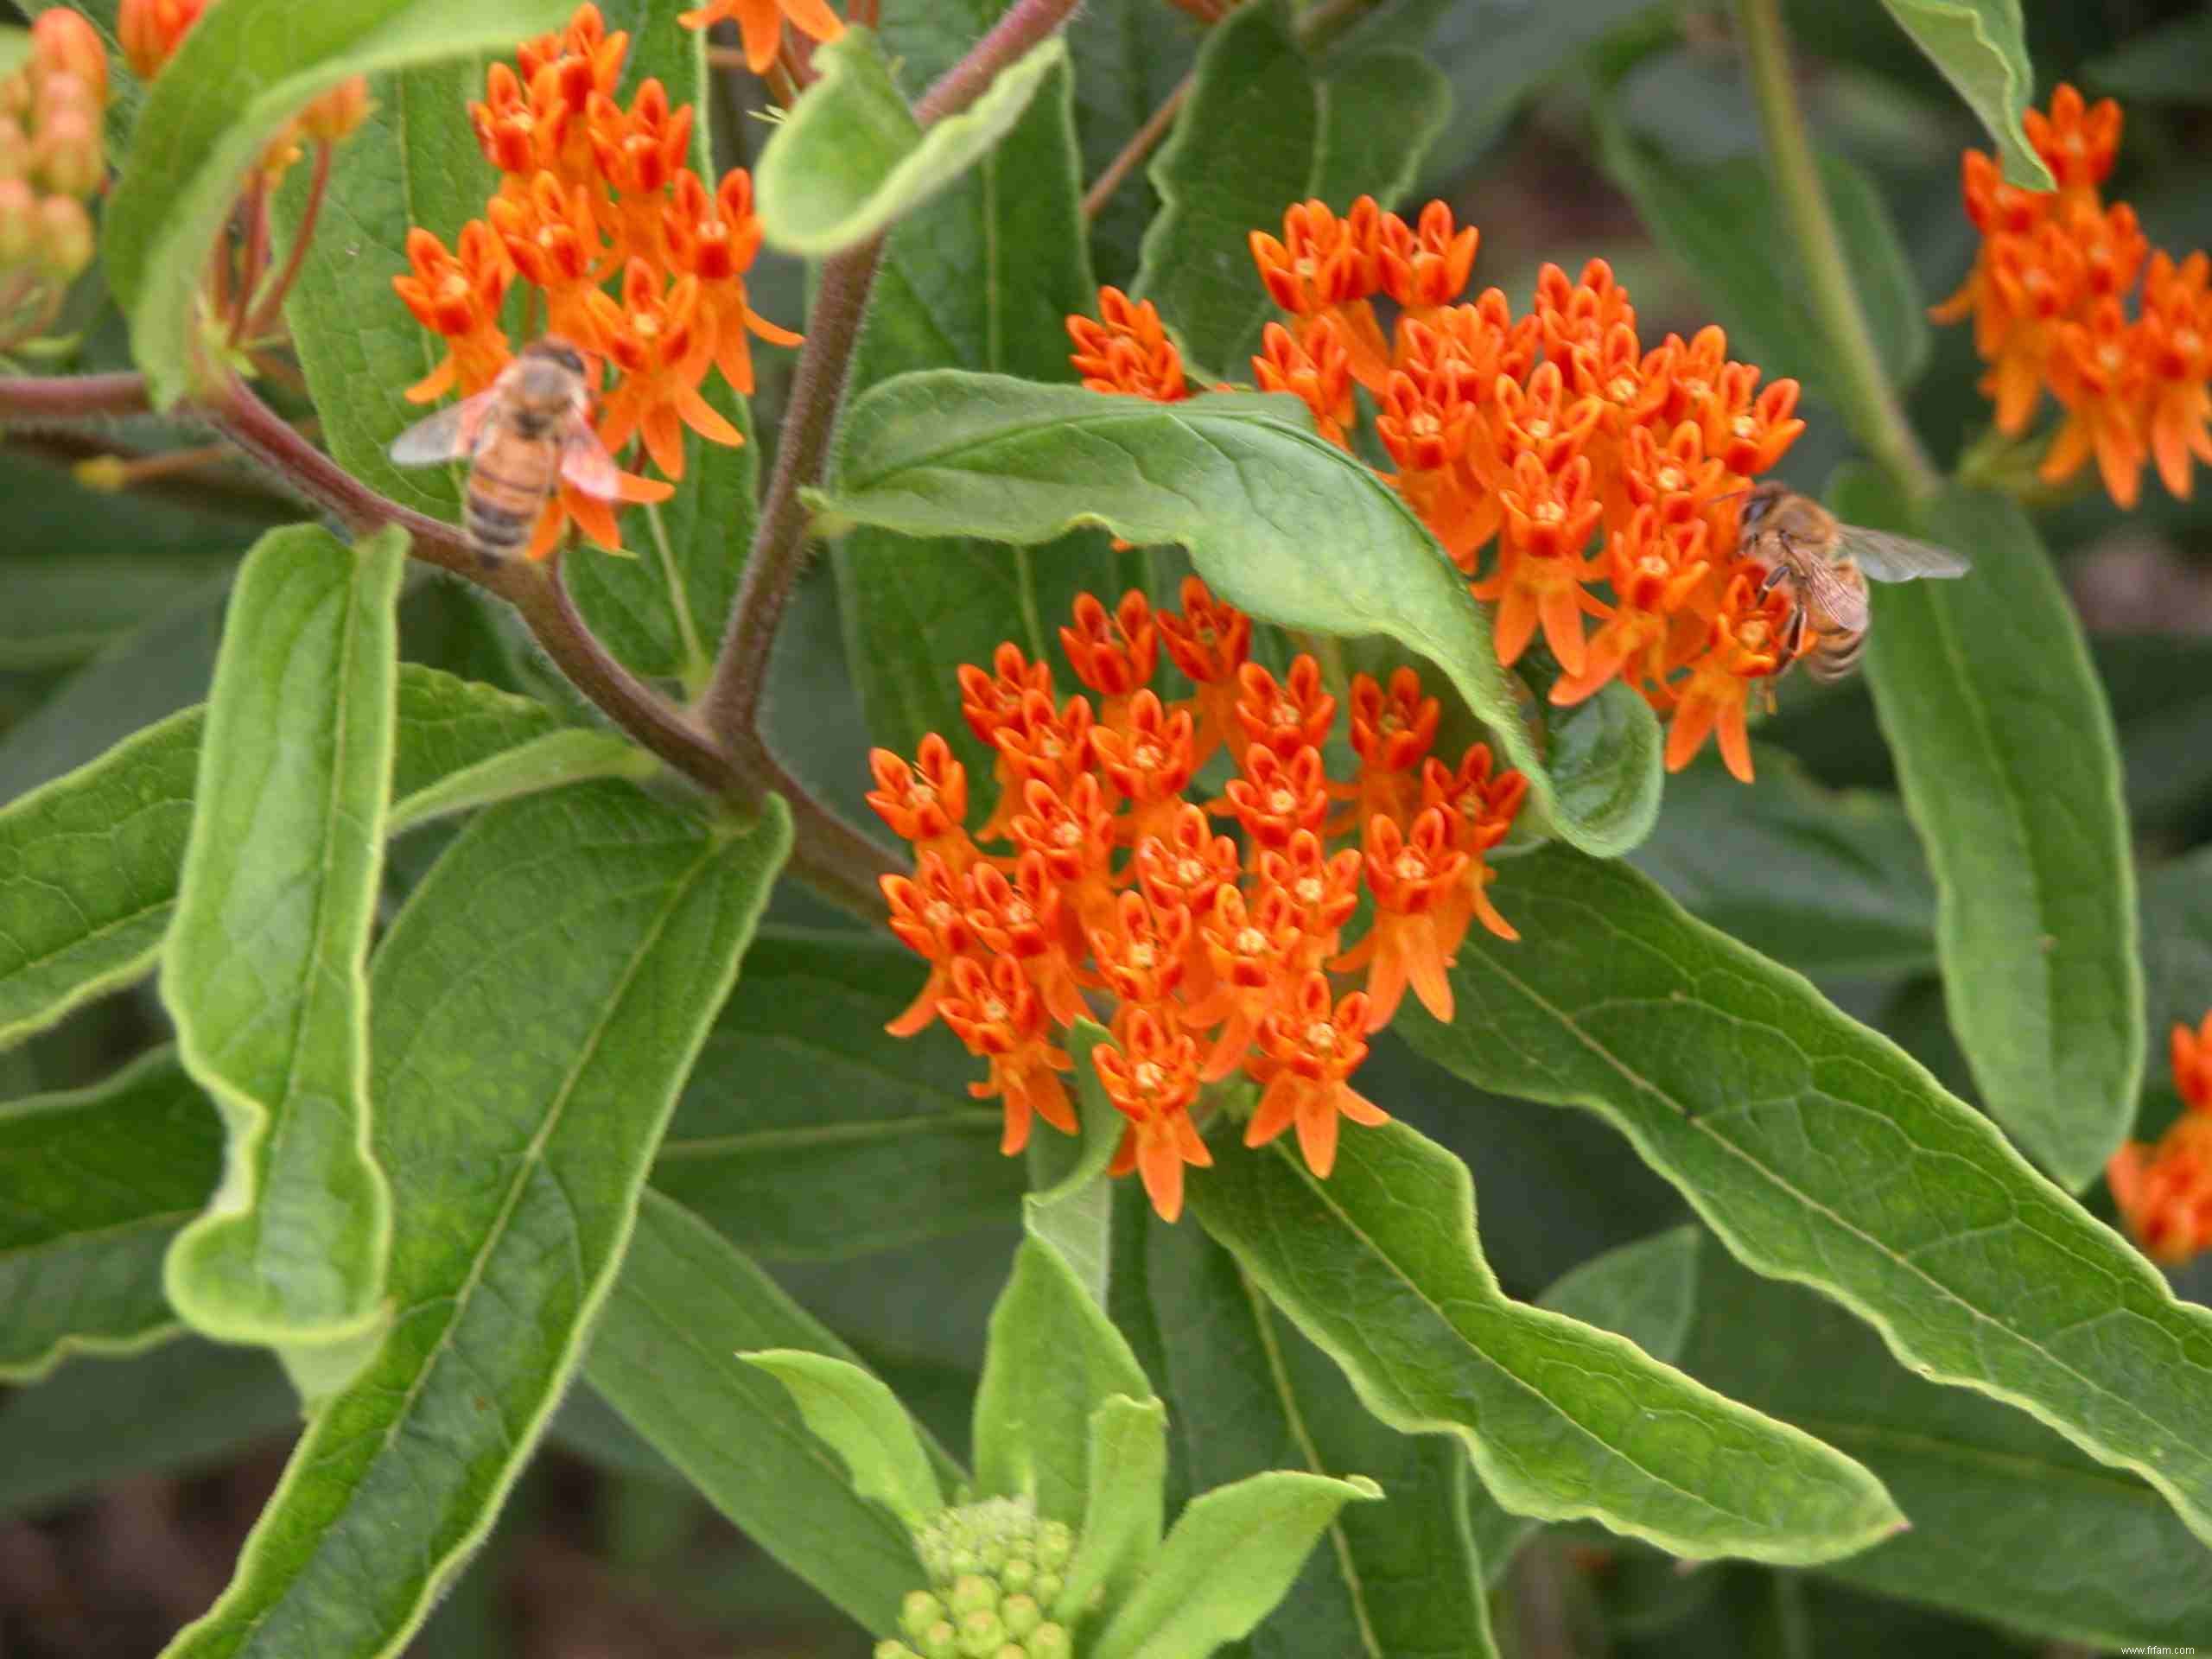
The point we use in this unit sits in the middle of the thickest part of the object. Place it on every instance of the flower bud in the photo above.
(14, 149)
(68, 155)
(918, 1612)
(981, 1635)
(1011, 1650)
(1055, 1543)
(65, 237)
(1049, 1641)
(62, 90)
(1046, 1588)
(64, 43)
(149, 31)
(18, 222)
(889, 1648)
(15, 95)
(1018, 1573)
(971, 1592)
(1021, 1615)
(339, 112)
(940, 1641)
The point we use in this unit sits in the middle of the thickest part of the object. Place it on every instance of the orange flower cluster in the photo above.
(1211, 959)
(2049, 297)
(761, 24)
(52, 162)
(591, 195)
(1531, 435)
(2164, 1193)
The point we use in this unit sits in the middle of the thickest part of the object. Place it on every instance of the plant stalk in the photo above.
(1868, 402)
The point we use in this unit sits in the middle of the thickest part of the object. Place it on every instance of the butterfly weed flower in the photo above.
(1126, 349)
(53, 161)
(761, 24)
(2165, 1191)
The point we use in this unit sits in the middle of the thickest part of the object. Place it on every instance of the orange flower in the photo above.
(2097, 373)
(715, 238)
(2174, 342)
(1150, 1073)
(1025, 920)
(1656, 571)
(552, 237)
(1116, 654)
(584, 58)
(1427, 268)
(929, 913)
(1317, 371)
(1247, 949)
(1072, 830)
(761, 24)
(526, 129)
(995, 1013)
(1143, 955)
(1582, 313)
(593, 517)
(656, 341)
(1744, 645)
(639, 152)
(925, 803)
(458, 297)
(1325, 266)
(1480, 810)
(1431, 422)
(1188, 864)
(1417, 925)
(2164, 1193)
(1150, 766)
(1127, 350)
(1539, 579)
(1320, 892)
(1274, 798)
(1306, 1053)
(150, 30)
(1286, 716)
(1209, 642)
(2078, 143)
(1390, 734)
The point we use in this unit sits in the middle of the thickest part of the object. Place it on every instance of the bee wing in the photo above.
(1897, 558)
(586, 464)
(449, 434)
(1840, 606)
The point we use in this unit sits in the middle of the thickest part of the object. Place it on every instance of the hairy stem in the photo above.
(1868, 402)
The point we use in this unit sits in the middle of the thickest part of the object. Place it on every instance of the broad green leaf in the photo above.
(1054, 1358)
(95, 1421)
(850, 160)
(1247, 1393)
(807, 1130)
(1379, 1267)
(1072, 1208)
(535, 1008)
(1827, 881)
(2164, 65)
(239, 74)
(94, 1185)
(982, 276)
(1266, 126)
(665, 1355)
(1188, 1606)
(263, 972)
(2010, 772)
(569, 756)
(1820, 1152)
(1647, 1291)
(89, 863)
(1706, 213)
(861, 1419)
(2010, 1524)
(1122, 1512)
(1128, 57)
(1279, 522)
(1981, 49)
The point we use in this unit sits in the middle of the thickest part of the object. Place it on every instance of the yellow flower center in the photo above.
(1548, 512)
(1141, 954)
(1538, 428)
(1671, 478)
(1743, 426)
(1281, 802)
(1149, 1075)
(1321, 1036)
(1148, 756)
(2187, 341)
(1410, 866)
(1190, 872)
(1695, 387)
(941, 913)
(1425, 424)
(994, 1010)
(1251, 942)
(1622, 388)
(1308, 890)
(648, 325)
(1283, 713)
(1069, 834)
(1019, 913)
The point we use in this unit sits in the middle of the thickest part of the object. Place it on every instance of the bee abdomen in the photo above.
(498, 528)
(1837, 656)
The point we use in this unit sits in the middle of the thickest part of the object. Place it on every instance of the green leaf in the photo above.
(536, 1006)
(863, 1421)
(807, 1130)
(1266, 126)
(2009, 1523)
(2162, 65)
(2010, 772)
(1246, 1393)
(239, 74)
(1825, 881)
(1128, 57)
(263, 972)
(1054, 1358)
(1123, 1513)
(1072, 1208)
(1647, 1291)
(570, 756)
(1980, 48)
(982, 276)
(1706, 213)
(89, 863)
(850, 161)
(1188, 1606)
(94, 1185)
(1379, 1267)
(665, 1355)
(1279, 522)
(1821, 1152)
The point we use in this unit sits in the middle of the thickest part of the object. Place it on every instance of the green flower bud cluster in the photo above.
(994, 1571)
(53, 159)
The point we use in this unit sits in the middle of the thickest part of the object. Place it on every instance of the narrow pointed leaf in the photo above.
(1279, 522)
(1054, 1358)
(1248, 1394)
(536, 1006)
(1379, 1267)
(89, 863)
(2011, 771)
(570, 756)
(850, 160)
(1265, 126)
(239, 74)
(1072, 1208)
(807, 1130)
(94, 1185)
(665, 1356)
(1188, 1606)
(861, 1419)
(1982, 50)
(1122, 1512)
(265, 971)
(1821, 1152)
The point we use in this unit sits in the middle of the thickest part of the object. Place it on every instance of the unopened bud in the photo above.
(149, 31)
(61, 91)
(1055, 1543)
(68, 155)
(18, 222)
(1021, 1615)
(65, 237)
(918, 1612)
(64, 43)
(889, 1649)
(15, 95)
(1011, 1650)
(981, 1635)
(1049, 1641)
(14, 149)
(1046, 1588)
(338, 112)
(1017, 1574)
(940, 1641)
(971, 1592)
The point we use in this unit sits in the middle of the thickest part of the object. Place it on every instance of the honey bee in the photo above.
(1826, 564)
(522, 436)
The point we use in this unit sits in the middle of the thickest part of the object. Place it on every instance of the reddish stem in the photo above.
(265, 314)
